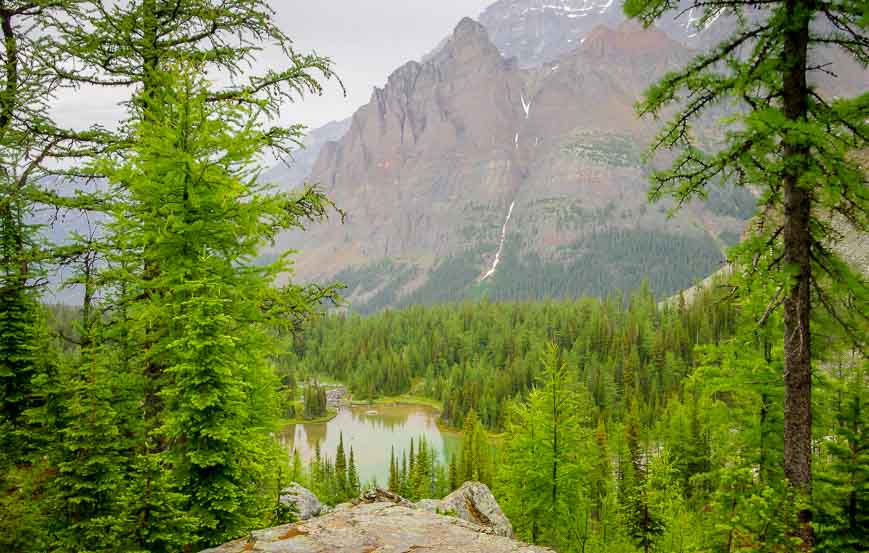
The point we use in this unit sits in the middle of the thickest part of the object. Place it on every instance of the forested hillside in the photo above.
(665, 420)
(148, 418)
(481, 356)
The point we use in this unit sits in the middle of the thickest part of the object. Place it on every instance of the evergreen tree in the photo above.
(474, 459)
(422, 476)
(601, 473)
(317, 464)
(404, 476)
(842, 499)
(196, 210)
(642, 524)
(352, 476)
(454, 482)
(411, 460)
(394, 484)
(542, 472)
(341, 468)
(797, 147)
(296, 471)
(91, 479)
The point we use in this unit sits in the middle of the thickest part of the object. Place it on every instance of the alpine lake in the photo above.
(372, 431)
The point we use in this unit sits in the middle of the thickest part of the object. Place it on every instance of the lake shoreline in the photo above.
(373, 430)
(408, 399)
(330, 414)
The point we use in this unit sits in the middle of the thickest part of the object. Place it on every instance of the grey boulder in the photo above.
(306, 503)
(474, 502)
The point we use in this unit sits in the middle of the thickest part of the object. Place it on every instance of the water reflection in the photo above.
(372, 432)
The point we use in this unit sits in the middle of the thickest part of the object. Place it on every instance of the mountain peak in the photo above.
(469, 27)
(469, 45)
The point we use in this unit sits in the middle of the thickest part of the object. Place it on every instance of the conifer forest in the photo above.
(675, 388)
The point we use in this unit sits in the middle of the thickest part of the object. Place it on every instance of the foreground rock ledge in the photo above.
(382, 527)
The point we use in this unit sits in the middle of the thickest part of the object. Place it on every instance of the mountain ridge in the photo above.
(430, 166)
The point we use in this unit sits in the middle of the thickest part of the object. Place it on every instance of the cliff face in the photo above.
(473, 174)
(432, 166)
(437, 136)
(541, 31)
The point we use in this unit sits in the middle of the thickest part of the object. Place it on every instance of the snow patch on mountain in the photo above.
(497, 259)
(525, 106)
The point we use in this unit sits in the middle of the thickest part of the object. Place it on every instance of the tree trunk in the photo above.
(9, 96)
(797, 244)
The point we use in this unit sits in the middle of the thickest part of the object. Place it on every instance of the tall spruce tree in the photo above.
(793, 144)
(353, 487)
(341, 468)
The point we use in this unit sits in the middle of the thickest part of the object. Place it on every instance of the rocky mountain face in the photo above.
(469, 175)
(507, 164)
(540, 31)
(293, 172)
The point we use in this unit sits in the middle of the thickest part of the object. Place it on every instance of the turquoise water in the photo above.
(372, 431)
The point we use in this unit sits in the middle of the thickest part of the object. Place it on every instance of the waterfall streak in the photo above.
(497, 259)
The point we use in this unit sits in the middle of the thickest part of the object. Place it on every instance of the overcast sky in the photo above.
(367, 40)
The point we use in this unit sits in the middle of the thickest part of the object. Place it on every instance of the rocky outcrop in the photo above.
(468, 520)
(378, 527)
(306, 503)
(475, 503)
(472, 502)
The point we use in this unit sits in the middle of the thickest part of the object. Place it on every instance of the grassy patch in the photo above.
(330, 414)
(404, 399)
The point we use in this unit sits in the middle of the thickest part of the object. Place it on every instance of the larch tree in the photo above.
(126, 45)
(797, 146)
(27, 87)
(193, 204)
(542, 472)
